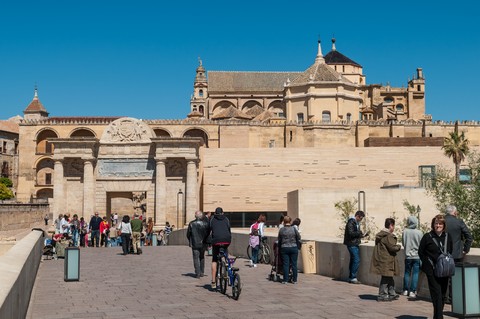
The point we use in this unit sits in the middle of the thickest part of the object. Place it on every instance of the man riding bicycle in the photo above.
(219, 228)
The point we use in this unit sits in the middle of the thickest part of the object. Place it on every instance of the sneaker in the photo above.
(255, 265)
(213, 285)
(412, 294)
(354, 281)
(251, 263)
(284, 282)
(405, 292)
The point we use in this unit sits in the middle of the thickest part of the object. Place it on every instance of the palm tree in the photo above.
(456, 147)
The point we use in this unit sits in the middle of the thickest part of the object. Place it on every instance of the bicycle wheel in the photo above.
(249, 252)
(266, 253)
(223, 275)
(236, 287)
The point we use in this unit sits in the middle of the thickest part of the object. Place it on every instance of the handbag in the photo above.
(445, 264)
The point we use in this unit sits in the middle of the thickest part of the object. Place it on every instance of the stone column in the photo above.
(58, 192)
(191, 189)
(88, 189)
(160, 192)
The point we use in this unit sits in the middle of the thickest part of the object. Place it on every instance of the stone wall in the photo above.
(19, 268)
(22, 216)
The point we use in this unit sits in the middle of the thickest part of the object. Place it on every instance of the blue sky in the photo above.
(138, 58)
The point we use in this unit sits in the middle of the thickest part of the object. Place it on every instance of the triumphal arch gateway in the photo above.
(271, 142)
(128, 165)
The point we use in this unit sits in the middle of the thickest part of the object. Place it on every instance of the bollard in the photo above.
(154, 239)
(72, 264)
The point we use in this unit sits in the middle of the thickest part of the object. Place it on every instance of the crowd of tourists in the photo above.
(108, 232)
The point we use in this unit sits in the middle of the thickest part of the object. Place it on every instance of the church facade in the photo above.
(249, 139)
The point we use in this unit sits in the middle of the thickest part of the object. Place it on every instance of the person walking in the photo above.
(46, 218)
(384, 261)
(137, 226)
(256, 233)
(126, 232)
(411, 238)
(197, 234)
(352, 239)
(149, 232)
(104, 232)
(430, 248)
(94, 227)
(288, 239)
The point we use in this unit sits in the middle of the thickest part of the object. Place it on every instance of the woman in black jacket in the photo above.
(429, 251)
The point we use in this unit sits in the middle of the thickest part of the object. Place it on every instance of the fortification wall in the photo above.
(16, 216)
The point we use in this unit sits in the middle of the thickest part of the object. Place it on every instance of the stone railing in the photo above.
(18, 271)
(332, 259)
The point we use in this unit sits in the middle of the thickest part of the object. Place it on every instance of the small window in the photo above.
(427, 176)
(48, 179)
(194, 108)
(465, 176)
(399, 108)
(326, 116)
(419, 87)
(271, 144)
(200, 93)
(200, 109)
(300, 118)
(349, 117)
(388, 99)
(4, 146)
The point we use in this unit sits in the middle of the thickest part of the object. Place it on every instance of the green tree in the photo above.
(456, 147)
(447, 190)
(6, 181)
(5, 192)
(347, 209)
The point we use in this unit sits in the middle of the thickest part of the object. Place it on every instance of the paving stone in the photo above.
(159, 284)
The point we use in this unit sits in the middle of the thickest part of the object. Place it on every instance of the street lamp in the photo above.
(179, 203)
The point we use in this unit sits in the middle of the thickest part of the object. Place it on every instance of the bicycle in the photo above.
(227, 275)
(264, 252)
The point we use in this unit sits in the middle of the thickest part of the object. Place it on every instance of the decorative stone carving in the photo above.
(126, 167)
(138, 199)
(176, 167)
(73, 167)
(126, 130)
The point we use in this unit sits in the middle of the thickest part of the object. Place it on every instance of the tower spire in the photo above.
(319, 57)
(35, 94)
(333, 44)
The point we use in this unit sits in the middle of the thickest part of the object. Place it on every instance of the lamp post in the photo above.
(179, 203)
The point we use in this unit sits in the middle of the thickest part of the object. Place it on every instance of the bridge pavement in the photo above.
(160, 284)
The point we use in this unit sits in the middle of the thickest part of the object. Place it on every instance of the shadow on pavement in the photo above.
(410, 317)
(368, 297)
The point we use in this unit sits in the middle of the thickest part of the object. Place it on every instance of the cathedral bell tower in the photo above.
(198, 101)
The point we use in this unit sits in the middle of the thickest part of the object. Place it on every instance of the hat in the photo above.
(218, 211)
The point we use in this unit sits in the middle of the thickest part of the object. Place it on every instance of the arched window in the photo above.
(399, 107)
(300, 117)
(161, 132)
(197, 133)
(388, 99)
(326, 116)
(44, 147)
(82, 133)
(200, 93)
(194, 108)
(349, 117)
(200, 109)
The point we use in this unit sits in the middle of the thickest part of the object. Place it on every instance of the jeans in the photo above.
(199, 261)
(75, 237)
(289, 256)
(125, 243)
(95, 237)
(412, 267)
(255, 254)
(354, 261)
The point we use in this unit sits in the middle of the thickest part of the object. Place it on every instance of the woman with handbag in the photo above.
(289, 240)
(430, 248)
(125, 230)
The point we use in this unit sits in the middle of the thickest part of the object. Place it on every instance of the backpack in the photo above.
(445, 264)
(254, 228)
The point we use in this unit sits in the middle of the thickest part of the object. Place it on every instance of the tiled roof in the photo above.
(335, 57)
(264, 116)
(319, 72)
(35, 106)
(221, 81)
(231, 112)
(254, 111)
(9, 126)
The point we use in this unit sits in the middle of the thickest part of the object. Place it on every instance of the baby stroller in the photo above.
(48, 249)
(276, 272)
